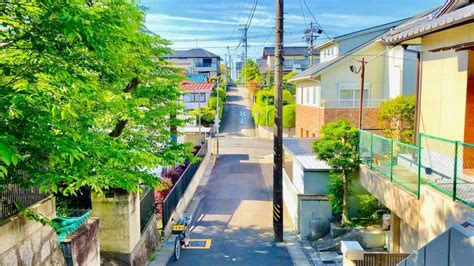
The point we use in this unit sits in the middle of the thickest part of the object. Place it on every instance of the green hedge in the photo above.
(258, 114)
(212, 103)
(289, 116)
(222, 93)
(268, 94)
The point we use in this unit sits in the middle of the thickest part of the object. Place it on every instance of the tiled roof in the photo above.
(429, 23)
(295, 50)
(197, 78)
(192, 53)
(197, 87)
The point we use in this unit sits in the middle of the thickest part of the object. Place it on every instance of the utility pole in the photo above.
(217, 119)
(278, 128)
(361, 70)
(309, 38)
(244, 41)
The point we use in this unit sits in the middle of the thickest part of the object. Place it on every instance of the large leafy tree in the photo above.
(338, 147)
(86, 98)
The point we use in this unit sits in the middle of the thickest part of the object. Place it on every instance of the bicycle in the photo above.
(181, 230)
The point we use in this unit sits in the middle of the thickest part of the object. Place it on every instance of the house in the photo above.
(196, 61)
(429, 186)
(329, 91)
(295, 58)
(196, 94)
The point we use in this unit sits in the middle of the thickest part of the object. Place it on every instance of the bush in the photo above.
(207, 115)
(289, 116)
(397, 118)
(222, 94)
(336, 193)
(259, 111)
(212, 103)
(268, 95)
(370, 207)
(258, 114)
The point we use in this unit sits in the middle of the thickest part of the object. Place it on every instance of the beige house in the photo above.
(196, 61)
(296, 58)
(329, 91)
(429, 187)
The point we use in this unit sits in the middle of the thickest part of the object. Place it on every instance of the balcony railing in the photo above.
(338, 103)
(443, 164)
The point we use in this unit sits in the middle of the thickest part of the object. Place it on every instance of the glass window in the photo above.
(349, 95)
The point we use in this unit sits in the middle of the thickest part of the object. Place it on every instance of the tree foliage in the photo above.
(207, 115)
(338, 147)
(86, 98)
(250, 72)
(397, 118)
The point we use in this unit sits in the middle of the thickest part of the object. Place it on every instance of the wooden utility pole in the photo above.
(278, 128)
(362, 85)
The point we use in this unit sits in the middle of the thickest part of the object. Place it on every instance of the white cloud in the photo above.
(157, 17)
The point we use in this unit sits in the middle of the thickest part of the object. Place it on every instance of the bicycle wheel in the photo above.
(177, 247)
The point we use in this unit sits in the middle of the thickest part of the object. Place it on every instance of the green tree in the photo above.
(86, 98)
(397, 118)
(207, 115)
(291, 87)
(338, 147)
(212, 103)
(289, 116)
(250, 72)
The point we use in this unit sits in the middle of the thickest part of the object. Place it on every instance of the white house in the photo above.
(196, 94)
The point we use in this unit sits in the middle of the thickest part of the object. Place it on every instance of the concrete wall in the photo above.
(82, 247)
(290, 198)
(315, 214)
(421, 219)
(119, 221)
(27, 242)
(444, 83)
(316, 182)
(267, 132)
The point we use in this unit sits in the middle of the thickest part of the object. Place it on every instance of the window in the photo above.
(207, 62)
(198, 97)
(349, 95)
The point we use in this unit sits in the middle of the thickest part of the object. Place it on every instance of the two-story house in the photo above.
(429, 186)
(330, 91)
(196, 61)
(196, 94)
(296, 58)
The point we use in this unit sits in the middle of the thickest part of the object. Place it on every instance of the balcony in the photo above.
(445, 165)
(353, 103)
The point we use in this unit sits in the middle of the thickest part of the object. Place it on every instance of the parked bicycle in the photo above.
(181, 230)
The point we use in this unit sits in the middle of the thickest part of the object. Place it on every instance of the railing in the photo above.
(338, 103)
(446, 165)
(14, 193)
(173, 198)
(147, 207)
(381, 259)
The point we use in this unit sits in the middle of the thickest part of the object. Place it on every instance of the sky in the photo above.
(214, 25)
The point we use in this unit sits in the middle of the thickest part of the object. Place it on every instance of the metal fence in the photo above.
(446, 165)
(173, 198)
(381, 259)
(147, 207)
(14, 193)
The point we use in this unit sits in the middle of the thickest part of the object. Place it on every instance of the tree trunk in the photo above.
(345, 198)
(121, 124)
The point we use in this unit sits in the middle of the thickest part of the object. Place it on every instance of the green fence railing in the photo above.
(444, 164)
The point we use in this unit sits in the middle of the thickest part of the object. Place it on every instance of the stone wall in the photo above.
(82, 247)
(27, 242)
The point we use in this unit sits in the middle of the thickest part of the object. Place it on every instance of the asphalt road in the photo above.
(235, 211)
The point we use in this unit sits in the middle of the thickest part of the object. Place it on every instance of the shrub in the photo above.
(370, 207)
(268, 95)
(289, 116)
(397, 118)
(212, 103)
(207, 115)
(258, 114)
(222, 93)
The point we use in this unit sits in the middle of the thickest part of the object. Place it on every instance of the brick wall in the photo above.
(310, 119)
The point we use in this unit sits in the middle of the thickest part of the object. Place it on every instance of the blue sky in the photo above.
(213, 25)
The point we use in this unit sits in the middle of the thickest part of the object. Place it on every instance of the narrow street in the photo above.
(235, 210)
